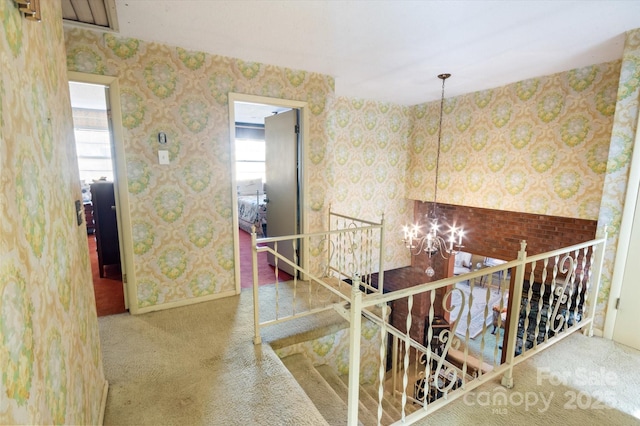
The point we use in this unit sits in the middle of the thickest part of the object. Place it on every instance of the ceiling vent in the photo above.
(96, 14)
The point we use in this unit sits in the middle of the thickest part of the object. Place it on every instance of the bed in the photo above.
(252, 209)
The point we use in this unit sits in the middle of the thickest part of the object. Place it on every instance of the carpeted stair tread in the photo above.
(388, 406)
(392, 404)
(328, 402)
(303, 329)
(368, 410)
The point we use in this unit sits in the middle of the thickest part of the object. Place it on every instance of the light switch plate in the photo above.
(163, 156)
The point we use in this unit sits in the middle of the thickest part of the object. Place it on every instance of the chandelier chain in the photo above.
(443, 77)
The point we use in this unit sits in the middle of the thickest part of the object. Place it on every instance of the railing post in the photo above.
(355, 315)
(329, 241)
(394, 365)
(381, 268)
(514, 317)
(383, 358)
(596, 272)
(256, 305)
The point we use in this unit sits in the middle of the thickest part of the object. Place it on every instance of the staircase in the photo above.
(328, 391)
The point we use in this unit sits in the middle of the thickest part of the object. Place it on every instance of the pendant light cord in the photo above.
(443, 77)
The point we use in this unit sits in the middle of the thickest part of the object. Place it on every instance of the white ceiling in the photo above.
(393, 50)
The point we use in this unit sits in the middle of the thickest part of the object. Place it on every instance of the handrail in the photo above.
(541, 256)
(310, 235)
(332, 213)
(378, 298)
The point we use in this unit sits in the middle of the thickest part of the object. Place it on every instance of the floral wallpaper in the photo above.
(536, 146)
(333, 350)
(367, 166)
(182, 213)
(50, 358)
(623, 138)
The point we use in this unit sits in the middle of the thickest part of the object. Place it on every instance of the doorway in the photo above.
(250, 172)
(94, 125)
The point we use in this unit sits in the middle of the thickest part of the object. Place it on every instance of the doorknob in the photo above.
(266, 200)
(113, 208)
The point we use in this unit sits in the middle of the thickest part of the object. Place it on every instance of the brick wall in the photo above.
(497, 233)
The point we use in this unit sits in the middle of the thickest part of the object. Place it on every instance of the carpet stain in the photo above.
(210, 362)
(186, 401)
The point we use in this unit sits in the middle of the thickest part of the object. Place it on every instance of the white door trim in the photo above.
(624, 238)
(123, 215)
(304, 133)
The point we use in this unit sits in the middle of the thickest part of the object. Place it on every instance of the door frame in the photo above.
(624, 239)
(121, 193)
(302, 107)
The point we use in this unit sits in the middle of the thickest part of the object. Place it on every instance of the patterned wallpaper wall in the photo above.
(623, 139)
(182, 213)
(536, 146)
(50, 359)
(367, 167)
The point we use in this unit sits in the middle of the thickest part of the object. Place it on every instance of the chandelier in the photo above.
(434, 241)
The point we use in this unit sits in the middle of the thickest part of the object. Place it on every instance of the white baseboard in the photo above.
(185, 302)
(103, 403)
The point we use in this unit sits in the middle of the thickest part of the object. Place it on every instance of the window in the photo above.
(91, 129)
(250, 152)
(93, 148)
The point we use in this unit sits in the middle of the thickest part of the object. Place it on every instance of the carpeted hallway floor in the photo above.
(197, 365)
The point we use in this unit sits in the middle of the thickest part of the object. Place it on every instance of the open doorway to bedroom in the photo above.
(110, 88)
(95, 157)
(251, 184)
(257, 181)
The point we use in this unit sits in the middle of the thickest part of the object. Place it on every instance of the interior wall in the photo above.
(182, 212)
(537, 146)
(50, 358)
(367, 162)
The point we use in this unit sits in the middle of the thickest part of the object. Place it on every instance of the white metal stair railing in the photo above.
(350, 251)
(551, 296)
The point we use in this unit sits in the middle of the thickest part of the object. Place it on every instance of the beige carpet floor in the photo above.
(580, 381)
(197, 365)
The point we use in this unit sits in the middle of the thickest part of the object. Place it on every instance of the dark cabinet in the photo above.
(88, 217)
(106, 225)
